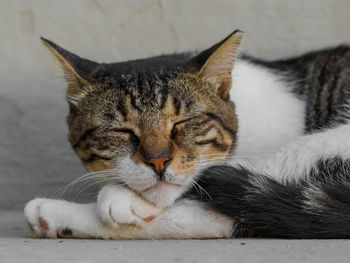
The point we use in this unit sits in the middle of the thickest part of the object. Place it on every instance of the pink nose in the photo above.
(159, 164)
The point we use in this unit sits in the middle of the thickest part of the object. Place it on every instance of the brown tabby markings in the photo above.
(183, 113)
(199, 129)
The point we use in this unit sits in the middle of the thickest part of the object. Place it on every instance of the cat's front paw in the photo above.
(118, 205)
(44, 220)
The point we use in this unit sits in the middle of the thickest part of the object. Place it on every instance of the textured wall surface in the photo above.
(35, 158)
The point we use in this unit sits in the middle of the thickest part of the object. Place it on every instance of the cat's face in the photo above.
(151, 123)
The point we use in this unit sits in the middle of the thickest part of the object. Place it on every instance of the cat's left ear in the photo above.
(216, 63)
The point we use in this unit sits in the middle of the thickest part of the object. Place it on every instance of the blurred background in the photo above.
(35, 157)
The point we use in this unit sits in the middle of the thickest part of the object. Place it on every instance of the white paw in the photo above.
(118, 205)
(41, 215)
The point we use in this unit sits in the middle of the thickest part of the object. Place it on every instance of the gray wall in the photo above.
(35, 158)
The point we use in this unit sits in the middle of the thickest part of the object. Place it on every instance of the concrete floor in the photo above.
(17, 246)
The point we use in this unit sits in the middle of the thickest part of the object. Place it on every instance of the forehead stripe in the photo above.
(133, 103)
(177, 105)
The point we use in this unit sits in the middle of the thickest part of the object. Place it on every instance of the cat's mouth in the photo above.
(162, 193)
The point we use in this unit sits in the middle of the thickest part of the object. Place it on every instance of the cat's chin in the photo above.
(162, 194)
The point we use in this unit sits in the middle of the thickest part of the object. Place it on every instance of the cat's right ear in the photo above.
(79, 72)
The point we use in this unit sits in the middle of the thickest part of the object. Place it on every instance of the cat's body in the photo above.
(273, 164)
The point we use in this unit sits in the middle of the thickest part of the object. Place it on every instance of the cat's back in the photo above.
(321, 79)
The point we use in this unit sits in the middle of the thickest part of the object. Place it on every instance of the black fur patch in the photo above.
(318, 207)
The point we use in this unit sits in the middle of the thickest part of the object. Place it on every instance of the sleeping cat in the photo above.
(208, 145)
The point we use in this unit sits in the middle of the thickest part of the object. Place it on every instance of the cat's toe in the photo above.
(114, 213)
(31, 213)
(124, 216)
(41, 217)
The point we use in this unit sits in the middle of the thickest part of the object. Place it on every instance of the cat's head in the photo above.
(151, 124)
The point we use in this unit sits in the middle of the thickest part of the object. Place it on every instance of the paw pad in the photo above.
(65, 233)
(149, 218)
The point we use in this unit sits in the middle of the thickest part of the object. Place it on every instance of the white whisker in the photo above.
(202, 189)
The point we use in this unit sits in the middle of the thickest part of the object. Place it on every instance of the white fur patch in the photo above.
(269, 116)
(137, 176)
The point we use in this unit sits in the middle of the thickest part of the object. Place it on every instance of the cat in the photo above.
(214, 144)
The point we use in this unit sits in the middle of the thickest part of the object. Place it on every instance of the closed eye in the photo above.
(173, 131)
(134, 138)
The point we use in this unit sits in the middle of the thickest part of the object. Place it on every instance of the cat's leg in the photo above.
(185, 219)
(302, 156)
(116, 206)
